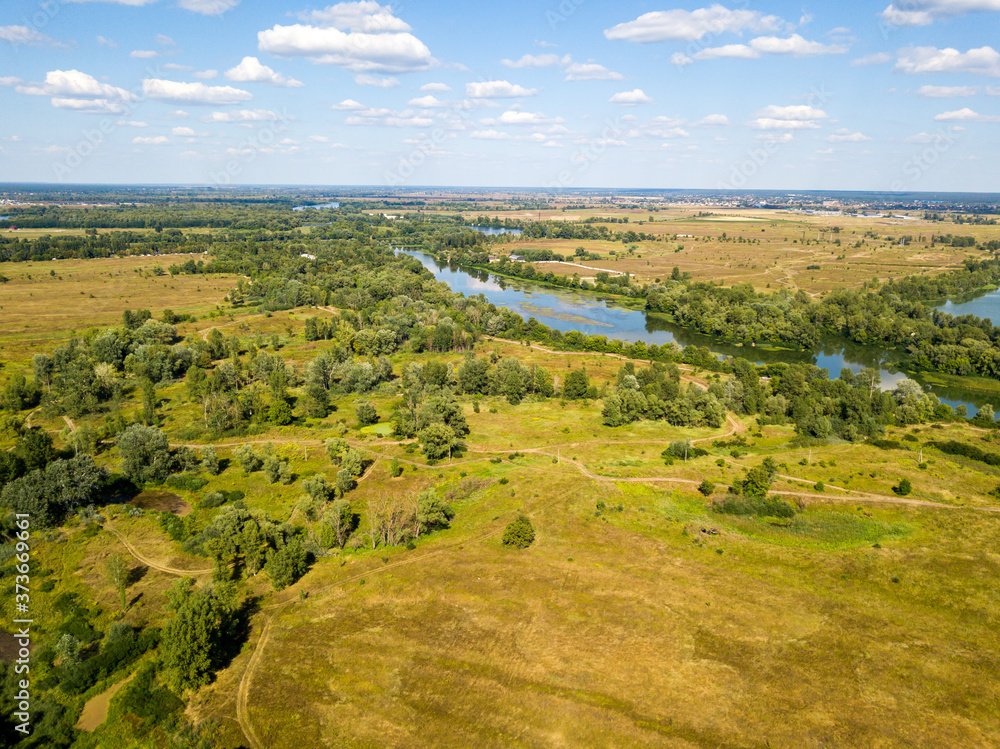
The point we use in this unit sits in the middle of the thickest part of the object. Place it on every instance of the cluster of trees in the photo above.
(507, 377)
(655, 393)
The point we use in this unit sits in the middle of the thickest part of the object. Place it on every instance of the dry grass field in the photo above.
(45, 302)
(776, 251)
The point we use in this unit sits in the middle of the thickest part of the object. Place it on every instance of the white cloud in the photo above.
(496, 90)
(9, 80)
(517, 117)
(793, 45)
(357, 16)
(206, 75)
(590, 71)
(179, 68)
(918, 60)
(946, 92)
(77, 91)
(165, 41)
(796, 46)
(251, 70)
(776, 137)
(630, 98)
(436, 88)
(713, 120)
(22, 35)
(143, 54)
(926, 12)
(388, 118)
(874, 59)
(131, 123)
(846, 136)
(348, 104)
(965, 115)
(185, 131)
(177, 114)
(537, 61)
(375, 41)
(106, 42)
(318, 139)
(155, 140)
(768, 123)
(208, 7)
(489, 135)
(193, 93)
(683, 25)
(372, 80)
(426, 102)
(793, 112)
(243, 115)
(925, 138)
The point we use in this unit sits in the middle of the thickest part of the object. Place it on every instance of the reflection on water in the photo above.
(986, 306)
(331, 204)
(566, 309)
(490, 230)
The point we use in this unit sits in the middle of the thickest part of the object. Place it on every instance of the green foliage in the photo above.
(210, 461)
(706, 487)
(62, 486)
(519, 534)
(432, 513)
(395, 469)
(903, 488)
(145, 454)
(366, 413)
(187, 483)
(318, 488)
(193, 638)
(757, 506)
(953, 447)
(147, 700)
(249, 460)
(287, 564)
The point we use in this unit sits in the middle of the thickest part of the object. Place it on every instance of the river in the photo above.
(566, 309)
(332, 204)
(986, 306)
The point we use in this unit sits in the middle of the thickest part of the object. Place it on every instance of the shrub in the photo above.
(213, 499)
(706, 488)
(520, 533)
(903, 488)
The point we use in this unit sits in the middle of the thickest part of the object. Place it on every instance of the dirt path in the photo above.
(96, 709)
(150, 563)
(69, 423)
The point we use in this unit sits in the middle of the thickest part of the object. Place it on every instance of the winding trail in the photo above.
(96, 710)
(149, 562)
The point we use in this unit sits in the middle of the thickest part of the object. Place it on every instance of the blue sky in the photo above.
(577, 93)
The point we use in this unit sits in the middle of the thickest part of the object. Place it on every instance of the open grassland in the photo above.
(766, 248)
(45, 302)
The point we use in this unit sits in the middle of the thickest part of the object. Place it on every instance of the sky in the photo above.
(555, 94)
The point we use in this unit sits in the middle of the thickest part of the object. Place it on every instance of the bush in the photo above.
(189, 483)
(366, 413)
(213, 499)
(764, 507)
(706, 488)
(520, 533)
(903, 488)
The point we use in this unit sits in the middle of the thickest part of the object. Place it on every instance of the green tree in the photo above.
(438, 441)
(249, 460)
(432, 513)
(145, 454)
(191, 640)
(210, 461)
(576, 385)
(520, 533)
(318, 488)
(706, 488)
(366, 413)
(340, 521)
(117, 571)
(903, 488)
(287, 564)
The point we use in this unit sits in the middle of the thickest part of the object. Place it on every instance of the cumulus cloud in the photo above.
(373, 80)
(919, 60)
(875, 59)
(926, 12)
(436, 88)
(22, 35)
(713, 120)
(388, 118)
(924, 138)
(496, 90)
(361, 36)
(846, 136)
(251, 70)
(74, 90)
(176, 66)
(631, 98)
(965, 115)
(186, 132)
(9, 80)
(489, 135)
(349, 104)
(131, 123)
(243, 115)
(590, 71)
(946, 92)
(165, 41)
(793, 112)
(106, 42)
(206, 75)
(683, 25)
(143, 54)
(193, 93)
(155, 140)
(426, 102)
